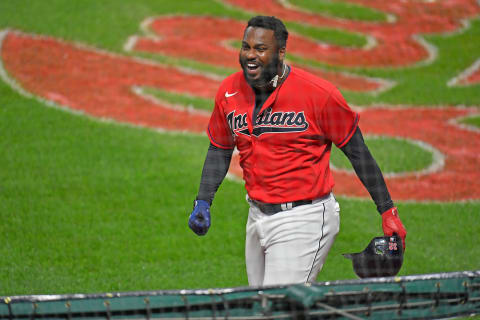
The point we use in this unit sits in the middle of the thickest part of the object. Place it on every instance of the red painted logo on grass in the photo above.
(209, 41)
(396, 41)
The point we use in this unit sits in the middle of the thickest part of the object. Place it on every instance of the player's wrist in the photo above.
(203, 198)
(390, 211)
(385, 206)
(199, 198)
(201, 202)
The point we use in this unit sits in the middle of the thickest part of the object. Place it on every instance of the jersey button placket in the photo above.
(253, 145)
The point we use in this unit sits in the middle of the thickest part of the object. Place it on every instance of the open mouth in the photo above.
(252, 68)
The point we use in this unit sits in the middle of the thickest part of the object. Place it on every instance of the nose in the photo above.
(250, 54)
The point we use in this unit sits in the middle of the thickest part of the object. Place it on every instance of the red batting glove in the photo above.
(391, 224)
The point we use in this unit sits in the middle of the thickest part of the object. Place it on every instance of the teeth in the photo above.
(252, 65)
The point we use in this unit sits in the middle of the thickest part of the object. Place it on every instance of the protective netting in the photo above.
(429, 296)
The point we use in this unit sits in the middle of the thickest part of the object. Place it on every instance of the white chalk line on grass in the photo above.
(58, 106)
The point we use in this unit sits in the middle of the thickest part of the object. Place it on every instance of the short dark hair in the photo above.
(272, 23)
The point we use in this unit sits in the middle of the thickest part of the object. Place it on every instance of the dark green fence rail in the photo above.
(429, 296)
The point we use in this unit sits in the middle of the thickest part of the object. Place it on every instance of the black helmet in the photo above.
(383, 257)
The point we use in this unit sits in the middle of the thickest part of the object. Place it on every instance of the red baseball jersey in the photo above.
(285, 151)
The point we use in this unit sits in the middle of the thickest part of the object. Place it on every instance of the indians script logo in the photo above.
(268, 122)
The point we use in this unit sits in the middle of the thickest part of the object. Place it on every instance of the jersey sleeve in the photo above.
(218, 130)
(338, 120)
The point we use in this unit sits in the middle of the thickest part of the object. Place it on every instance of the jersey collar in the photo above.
(250, 95)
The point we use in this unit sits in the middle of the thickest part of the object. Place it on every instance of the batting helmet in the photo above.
(383, 257)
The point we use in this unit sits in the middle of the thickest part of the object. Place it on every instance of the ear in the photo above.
(281, 53)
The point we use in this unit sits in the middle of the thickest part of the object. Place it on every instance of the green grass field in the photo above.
(94, 206)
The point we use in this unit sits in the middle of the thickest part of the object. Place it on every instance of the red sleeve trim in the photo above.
(349, 136)
(215, 143)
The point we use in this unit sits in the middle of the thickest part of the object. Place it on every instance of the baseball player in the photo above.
(283, 121)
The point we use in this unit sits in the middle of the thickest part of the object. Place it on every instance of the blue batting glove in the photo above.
(199, 220)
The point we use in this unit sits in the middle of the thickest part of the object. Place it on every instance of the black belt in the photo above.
(272, 208)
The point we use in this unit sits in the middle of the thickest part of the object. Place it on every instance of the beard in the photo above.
(268, 71)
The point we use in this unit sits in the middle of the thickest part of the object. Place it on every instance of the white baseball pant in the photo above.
(290, 246)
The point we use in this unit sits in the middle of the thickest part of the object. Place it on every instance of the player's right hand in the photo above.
(199, 220)
(391, 224)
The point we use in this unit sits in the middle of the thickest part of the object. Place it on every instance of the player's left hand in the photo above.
(391, 224)
(199, 220)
